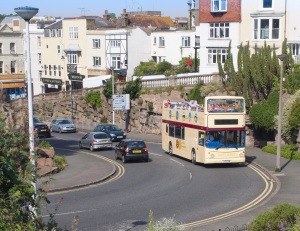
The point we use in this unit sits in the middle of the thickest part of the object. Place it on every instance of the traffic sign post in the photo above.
(121, 102)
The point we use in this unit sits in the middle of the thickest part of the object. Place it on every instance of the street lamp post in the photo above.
(190, 13)
(278, 167)
(27, 13)
(196, 68)
(113, 92)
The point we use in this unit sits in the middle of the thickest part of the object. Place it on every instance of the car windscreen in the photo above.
(113, 128)
(36, 120)
(101, 136)
(136, 144)
(64, 122)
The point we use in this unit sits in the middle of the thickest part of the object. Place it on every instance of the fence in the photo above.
(244, 227)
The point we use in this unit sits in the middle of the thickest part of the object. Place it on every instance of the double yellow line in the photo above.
(269, 185)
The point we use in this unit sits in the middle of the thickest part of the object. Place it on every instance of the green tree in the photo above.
(133, 88)
(294, 118)
(195, 93)
(17, 194)
(107, 90)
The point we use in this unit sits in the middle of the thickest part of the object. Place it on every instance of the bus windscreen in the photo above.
(225, 105)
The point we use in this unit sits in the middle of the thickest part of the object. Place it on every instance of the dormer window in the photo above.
(218, 6)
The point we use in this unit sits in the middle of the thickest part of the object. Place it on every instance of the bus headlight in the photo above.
(212, 155)
(241, 154)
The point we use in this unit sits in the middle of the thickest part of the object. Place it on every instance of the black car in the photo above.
(113, 130)
(40, 128)
(131, 150)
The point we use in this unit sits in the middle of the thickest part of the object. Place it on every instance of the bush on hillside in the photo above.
(281, 217)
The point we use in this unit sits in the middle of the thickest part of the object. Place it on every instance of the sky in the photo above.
(74, 8)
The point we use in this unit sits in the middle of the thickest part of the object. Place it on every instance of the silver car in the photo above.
(62, 125)
(96, 140)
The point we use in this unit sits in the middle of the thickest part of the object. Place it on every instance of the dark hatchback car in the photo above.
(113, 130)
(40, 128)
(131, 150)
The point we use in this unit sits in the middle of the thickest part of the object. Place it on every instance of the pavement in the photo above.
(97, 170)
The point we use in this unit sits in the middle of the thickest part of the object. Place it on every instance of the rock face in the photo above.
(45, 162)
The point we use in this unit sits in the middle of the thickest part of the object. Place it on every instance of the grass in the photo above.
(60, 162)
(287, 151)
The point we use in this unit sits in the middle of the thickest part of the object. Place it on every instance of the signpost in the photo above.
(121, 102)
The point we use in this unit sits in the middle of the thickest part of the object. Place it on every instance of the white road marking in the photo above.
(79, 211)
(191, 176)
(177, 162)
(155, 154)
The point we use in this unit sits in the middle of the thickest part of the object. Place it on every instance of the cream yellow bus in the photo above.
(210, 133)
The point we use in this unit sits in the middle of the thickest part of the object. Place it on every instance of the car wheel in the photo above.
(59, 130)
(123, 159)
(193, 156)
(147, 159)
(91, 147)
(170, 149)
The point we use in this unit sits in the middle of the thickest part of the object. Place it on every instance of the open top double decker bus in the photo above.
(210, 133)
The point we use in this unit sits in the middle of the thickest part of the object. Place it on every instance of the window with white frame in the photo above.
(161, 59)
(219, 30)
(218, 5)
(73, 32)
(72, 57)
(40, 75)
(58, 49)
(13, 67)
(266, 28)
(154, 40)
(39, 41)
(54, 70)
(161, 41)
(96, 43)
(115, 43)
(40, 58)
(59, 70)
(1, 67)
(97, 61)
(215, 54)
(197, 41)
(50, 70)
(267, 3)
(45, 69)
(12, 48)
(186, 41)
(116, 62)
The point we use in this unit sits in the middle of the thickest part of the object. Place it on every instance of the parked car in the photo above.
(131, 150)
(96, 140)
(62, 125)
(40, 128)
(113, 130)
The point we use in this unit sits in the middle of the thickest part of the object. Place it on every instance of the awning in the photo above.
(72, 47)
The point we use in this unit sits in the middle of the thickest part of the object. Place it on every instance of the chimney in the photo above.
(124, 17)
(106, 15)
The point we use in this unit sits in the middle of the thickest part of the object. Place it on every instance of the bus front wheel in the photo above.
(193, 156)
(170, 149)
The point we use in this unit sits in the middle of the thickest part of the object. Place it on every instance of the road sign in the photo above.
(121, 102)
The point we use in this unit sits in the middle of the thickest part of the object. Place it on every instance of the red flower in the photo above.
(188, 62)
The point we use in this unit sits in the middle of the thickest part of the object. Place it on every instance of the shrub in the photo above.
(133, 88)
(145, 91)
(150, 106)
(287, 151)
(145, 68)
(165, 224)
(93, 98)
(294, 118)
(60, 162)
(162, 67)
(195, 93)
(262, 114)
(103, 120)
(45, 144)
(281, 217)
